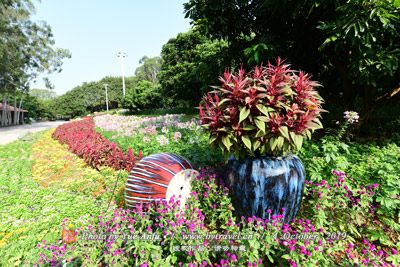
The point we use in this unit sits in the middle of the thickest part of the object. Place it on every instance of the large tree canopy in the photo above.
(352, 47)
(149, 69)
(191, 63)
(90, 97)
(26, 47)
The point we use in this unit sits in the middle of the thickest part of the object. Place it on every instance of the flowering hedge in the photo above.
(84, 141)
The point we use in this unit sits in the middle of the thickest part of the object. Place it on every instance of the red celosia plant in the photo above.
(84, 141)
(269, 110)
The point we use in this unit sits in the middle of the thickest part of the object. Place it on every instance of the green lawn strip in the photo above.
(29, 212)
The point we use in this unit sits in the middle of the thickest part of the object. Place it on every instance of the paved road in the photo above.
(12, 133)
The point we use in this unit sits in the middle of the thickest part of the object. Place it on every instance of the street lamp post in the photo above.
(122, 55)
(105, 85)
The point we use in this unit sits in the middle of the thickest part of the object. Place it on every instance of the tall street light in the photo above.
(105, 85)
(122, 56)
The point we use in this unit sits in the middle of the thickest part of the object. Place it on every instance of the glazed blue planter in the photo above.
(260, 184)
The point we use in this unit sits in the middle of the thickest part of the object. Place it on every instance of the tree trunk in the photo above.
(15, 108)
(19, 111)
(3, 112)
(9, 116)
(23, 122)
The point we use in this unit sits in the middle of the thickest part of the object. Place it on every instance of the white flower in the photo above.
(164, 130)
(162, 140)
(146, 139)
(177, 136)
(351, 116)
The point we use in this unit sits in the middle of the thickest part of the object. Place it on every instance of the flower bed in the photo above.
(82, 140)
(31, 213)
(317, 238)
(55, 166)
(169, 133)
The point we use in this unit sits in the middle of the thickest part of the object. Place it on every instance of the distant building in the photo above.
(10, 115)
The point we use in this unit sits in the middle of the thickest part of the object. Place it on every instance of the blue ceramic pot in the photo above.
(266, 183)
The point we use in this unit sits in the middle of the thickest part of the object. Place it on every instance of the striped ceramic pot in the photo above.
(159, 176)
(262, 186)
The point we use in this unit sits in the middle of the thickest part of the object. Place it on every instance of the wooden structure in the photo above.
(10, 115)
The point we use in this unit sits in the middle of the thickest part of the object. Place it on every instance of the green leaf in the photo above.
(270, 258)
(259, 134)
(256, 145)
(246, 141)
(249, 128)
(222, 147)
(313, 126)
(273, 142)
(264, 109)
(286, 90)
(280, 142)
(263, 118)
(308, 133)
(298, 141)
(227, 142)
(222, 130)
(263, 149)
(285, 146)
(212, 139)
(244, 113)
(223, 101)
(285, 132)
(286, 256)
(260, 125)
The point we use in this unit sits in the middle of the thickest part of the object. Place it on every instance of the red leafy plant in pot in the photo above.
(268, 111)
(260, 118)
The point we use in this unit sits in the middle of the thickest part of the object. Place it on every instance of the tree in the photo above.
(149, 69)
(143, 95)
(90, 97)
(26, 50)
(191, 63)
(44, 94)
(352, 47)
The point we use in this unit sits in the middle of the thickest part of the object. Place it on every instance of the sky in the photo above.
(94, 31)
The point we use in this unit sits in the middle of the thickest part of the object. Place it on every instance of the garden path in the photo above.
(12, 133)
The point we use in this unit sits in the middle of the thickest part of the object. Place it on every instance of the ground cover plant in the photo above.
(31, 212)
(55, 166)
(370, 163)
